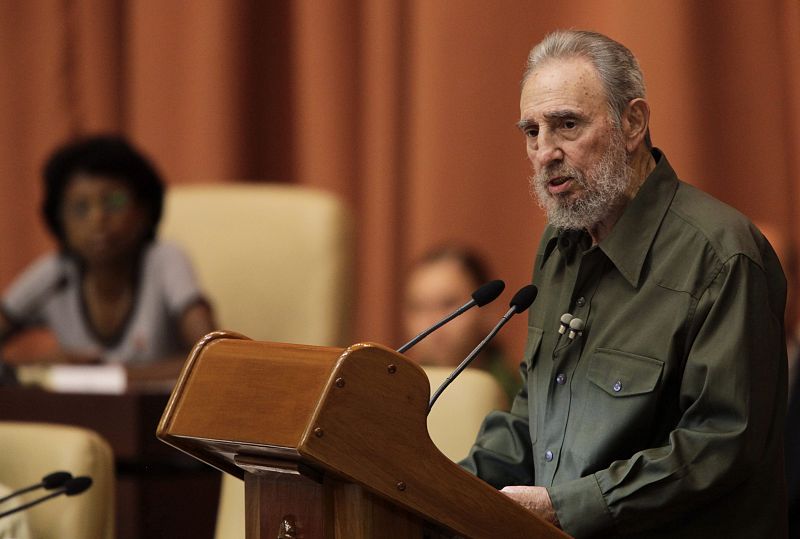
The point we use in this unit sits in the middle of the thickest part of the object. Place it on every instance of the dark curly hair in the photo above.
(103, 155)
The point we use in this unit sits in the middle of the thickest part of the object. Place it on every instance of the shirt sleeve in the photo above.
(729, 400)
(24, 300)
(502, 453)
(180, 286)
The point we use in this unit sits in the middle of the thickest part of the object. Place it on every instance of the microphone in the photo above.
(49, 482)
(566, 318)
(72, 487)
(480, 297)
(576, 326)
(520, 302)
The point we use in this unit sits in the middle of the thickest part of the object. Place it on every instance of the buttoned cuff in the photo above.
(580, 507)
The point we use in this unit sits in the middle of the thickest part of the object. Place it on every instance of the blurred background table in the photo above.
(161, 492)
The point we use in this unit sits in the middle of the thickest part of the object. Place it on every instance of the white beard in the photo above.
(603, 189)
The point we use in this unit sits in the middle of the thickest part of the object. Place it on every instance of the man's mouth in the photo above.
(559, 184)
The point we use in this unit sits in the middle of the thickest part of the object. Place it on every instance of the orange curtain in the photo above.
(406, 108)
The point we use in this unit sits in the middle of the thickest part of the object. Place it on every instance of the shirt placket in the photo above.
(584, 275)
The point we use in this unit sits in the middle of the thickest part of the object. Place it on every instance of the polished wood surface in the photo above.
(375, 433)
(281, 393)
(230, 398)
(298, 505)
(354, 417)
(284, 502)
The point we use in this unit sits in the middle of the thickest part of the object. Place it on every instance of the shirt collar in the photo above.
(567, 241)
(629, 241)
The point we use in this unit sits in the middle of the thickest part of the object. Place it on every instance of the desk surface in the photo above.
(160, 491)
(128, 421)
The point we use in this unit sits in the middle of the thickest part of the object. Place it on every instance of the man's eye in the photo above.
(532, 132)
(570, 124)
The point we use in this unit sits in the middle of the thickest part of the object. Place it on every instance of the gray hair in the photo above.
(616, 66)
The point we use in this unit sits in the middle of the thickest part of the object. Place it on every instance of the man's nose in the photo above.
(548, 149)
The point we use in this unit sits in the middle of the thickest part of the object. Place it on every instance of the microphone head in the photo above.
(523, 298)
(488, 292)
(577, 324)
(55, 479)
(77, 485)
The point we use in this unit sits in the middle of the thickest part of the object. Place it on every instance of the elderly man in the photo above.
(655, 368)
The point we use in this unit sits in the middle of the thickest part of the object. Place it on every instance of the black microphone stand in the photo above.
(469, 359)
(520, 302)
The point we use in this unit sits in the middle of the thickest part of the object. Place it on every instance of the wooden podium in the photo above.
(331, 443)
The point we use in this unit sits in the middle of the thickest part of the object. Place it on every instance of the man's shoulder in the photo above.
(702, 219)
(699, 237)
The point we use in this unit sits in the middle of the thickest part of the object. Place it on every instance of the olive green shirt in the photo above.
(664, 417)
(494, 362)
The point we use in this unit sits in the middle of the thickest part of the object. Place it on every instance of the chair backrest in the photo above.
(274, 259)
(231, 510)
(457, 415)
(276, 263)
(29, 451)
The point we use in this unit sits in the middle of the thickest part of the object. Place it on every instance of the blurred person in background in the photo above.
(440, 282)
(111, 292)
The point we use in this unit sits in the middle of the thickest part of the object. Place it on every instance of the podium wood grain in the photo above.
(342, 432)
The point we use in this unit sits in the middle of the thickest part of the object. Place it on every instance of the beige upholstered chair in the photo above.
(230, 514)
(29, 451)
(275, 261)
(456, 416)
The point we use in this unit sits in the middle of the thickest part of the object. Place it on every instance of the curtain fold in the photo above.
(405, 108)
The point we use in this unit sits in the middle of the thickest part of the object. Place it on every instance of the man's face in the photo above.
(577, 152)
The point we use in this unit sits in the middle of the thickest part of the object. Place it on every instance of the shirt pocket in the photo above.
(620, 402)
(532, 346)
(622, 374)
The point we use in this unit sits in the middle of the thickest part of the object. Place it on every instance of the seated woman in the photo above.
(111, 292)
(439, 283)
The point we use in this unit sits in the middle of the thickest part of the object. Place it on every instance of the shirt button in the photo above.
(617, 386)
(581, 301)
(548, 455)
(561, 379)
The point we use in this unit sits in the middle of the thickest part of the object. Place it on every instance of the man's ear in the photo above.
(635, 122)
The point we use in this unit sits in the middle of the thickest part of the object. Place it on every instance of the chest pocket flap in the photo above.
(532, 345)
(622, 374)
